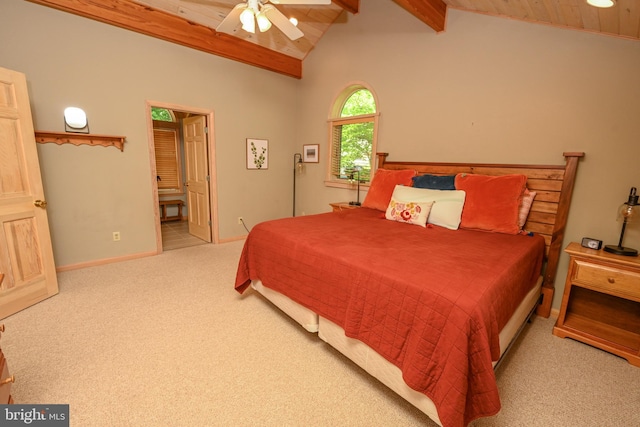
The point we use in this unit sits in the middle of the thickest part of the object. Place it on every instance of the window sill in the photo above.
(347, 185)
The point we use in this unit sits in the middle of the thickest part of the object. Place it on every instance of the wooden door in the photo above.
(26, 256)
(197, 174)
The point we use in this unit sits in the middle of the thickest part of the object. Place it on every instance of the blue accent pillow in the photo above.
(435, 182)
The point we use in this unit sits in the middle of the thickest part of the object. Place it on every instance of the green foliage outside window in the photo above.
(161, 114)
(359, 103)
(356, 139)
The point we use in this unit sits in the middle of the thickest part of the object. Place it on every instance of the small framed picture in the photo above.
(257, 154)
(310, 153)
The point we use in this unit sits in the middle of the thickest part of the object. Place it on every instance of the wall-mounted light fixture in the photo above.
(75, 120)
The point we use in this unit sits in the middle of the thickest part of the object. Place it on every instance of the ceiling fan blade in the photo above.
(310, 2)
(279, 20)
(231, 21)
(208, 3)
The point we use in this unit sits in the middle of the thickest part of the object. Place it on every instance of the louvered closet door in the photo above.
(167, 161)
(26, 256)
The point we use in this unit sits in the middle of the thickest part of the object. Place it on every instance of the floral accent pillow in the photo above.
(447, 209)
(409, 212)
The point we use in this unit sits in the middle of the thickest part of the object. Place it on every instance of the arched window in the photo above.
(162, 114)
(353, 133)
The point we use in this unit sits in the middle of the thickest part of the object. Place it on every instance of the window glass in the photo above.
(360, 102)
(353, 135)
(162, 114)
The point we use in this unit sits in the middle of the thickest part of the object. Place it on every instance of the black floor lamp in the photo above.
(297, 168)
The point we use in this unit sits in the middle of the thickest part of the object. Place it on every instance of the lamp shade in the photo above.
(248, 21)
(628, 212)
(263, 22)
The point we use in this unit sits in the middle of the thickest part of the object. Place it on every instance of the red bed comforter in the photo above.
(432, 301)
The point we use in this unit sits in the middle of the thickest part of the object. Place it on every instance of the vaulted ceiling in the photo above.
(192, 23)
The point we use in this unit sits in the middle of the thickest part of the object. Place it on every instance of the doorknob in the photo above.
(11, 379)
(40, 204)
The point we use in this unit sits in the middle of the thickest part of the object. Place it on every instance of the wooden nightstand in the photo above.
(340, 206)
(601, 302)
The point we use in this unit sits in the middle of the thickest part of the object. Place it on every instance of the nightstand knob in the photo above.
(2, 328)
(11, 379)
(611, 280)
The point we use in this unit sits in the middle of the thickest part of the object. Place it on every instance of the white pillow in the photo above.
(446, 210)
(409, 212)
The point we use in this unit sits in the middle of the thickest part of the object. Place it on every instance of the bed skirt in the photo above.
(378, 367)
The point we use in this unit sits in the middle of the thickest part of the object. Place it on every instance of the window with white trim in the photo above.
(353, 133)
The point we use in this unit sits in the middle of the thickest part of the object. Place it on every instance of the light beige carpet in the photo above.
(166, 341)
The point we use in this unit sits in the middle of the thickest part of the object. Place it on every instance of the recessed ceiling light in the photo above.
(602, 3)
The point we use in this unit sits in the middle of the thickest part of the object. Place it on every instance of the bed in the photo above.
(428, 308)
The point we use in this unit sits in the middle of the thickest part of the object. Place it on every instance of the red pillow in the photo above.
(492, 203)
(382, 185)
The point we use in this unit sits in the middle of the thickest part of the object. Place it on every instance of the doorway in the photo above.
(183, 174)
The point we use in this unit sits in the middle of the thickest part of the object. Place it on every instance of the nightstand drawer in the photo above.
(612, 280)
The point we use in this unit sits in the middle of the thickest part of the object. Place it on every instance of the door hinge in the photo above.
(208, 178)
(206, 129)
(209, 222)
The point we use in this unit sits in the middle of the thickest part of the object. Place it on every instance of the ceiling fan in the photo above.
(265, 14)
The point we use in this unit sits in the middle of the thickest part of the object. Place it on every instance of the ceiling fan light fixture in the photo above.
(248, 21)
(294, 21)
(602, 3)
(267, 15)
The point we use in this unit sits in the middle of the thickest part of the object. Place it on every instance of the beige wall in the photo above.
(487, 90)
(111, 73)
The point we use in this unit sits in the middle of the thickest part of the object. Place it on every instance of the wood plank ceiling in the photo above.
(192, 23)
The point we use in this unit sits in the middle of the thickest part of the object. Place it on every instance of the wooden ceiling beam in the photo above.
(431, 12)
(352, 6)
(158, 24)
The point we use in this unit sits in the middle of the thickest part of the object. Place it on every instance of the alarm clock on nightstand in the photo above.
(590, 243)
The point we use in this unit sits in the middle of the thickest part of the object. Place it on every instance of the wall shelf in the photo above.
(80, 139)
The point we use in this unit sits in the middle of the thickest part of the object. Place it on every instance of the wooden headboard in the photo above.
(548, 216)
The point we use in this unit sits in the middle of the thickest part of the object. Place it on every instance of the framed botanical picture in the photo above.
(257, 153)
(310, 153)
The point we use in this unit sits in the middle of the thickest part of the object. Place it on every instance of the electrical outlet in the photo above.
(240, 220)
(116, 236)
